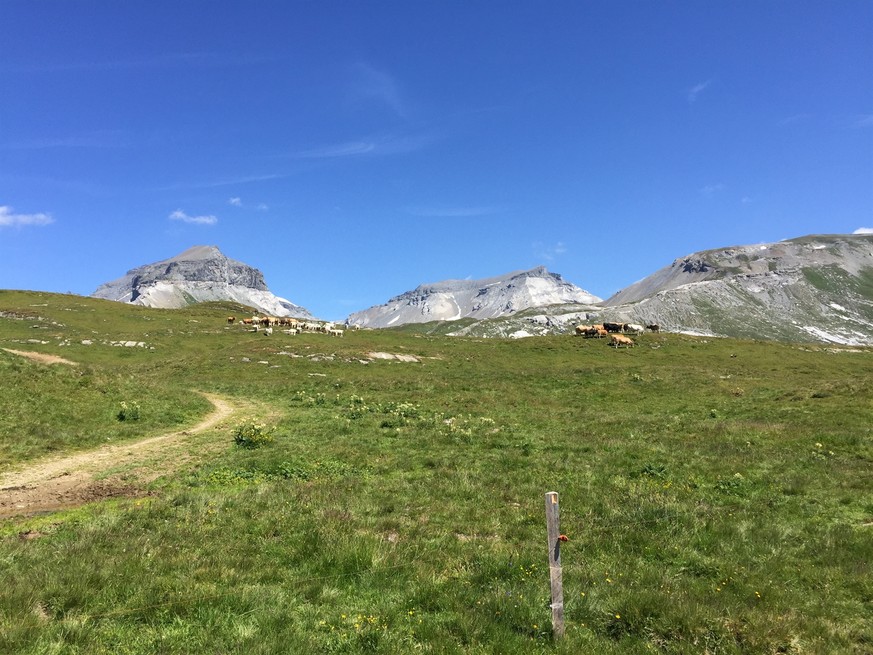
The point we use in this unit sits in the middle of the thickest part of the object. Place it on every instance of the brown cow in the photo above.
(582, 329)
(617, 340)
(230, 320)
(596, 331)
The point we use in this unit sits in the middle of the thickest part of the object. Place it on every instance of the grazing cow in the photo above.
(268, 331)
(247, 321)
(582, 329)
(613, 328)
(335, 333)
(633, 327)
(596, 331)
(654, 327)
(230, 320)
(617, 340)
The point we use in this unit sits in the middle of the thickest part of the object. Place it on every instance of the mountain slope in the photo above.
(813, 288)
(452, 300)
(201, 273)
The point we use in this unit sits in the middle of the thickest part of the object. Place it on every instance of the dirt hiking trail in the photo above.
(42, 358)
(110, 471)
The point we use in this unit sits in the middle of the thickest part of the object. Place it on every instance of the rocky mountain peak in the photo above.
(196, 253)
(199, 274)
(817, 287)
(452, 300)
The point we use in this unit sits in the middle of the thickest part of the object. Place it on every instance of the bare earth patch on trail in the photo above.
(42, 358)
(112, 471)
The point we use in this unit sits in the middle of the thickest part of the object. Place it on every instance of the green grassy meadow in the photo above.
(717, 494)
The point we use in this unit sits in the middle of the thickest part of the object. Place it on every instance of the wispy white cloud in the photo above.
(8, 218)
(372, 84)
(865, 120)
(795, 118)
(384, 145)
(451, 212)
(863, 230)
(697, 89)
(231, 181)
(746, 200)
(179, 215)
(236, 201)
(548, 253)
(712, 189)
(380, 145)
(348, 149)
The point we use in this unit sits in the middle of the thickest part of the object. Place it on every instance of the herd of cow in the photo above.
(292, 325)
(615, 332)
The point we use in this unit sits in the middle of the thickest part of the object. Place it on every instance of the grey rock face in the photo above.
(199, 274)
(814, 288)
(811, 289)
(452, 300)
(762, 263)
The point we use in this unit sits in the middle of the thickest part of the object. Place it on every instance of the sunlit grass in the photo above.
(717, 495)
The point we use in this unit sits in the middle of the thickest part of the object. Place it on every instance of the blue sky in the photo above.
(353, 150)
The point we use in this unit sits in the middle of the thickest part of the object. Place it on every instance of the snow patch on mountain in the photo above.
(452, 300)
(200, 274)
(814, 288)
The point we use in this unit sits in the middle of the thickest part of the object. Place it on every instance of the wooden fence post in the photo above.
(553, 523)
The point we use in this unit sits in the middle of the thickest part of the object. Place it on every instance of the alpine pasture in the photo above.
(717, 494)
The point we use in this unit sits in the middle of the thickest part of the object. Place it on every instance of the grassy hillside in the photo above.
(717, 493)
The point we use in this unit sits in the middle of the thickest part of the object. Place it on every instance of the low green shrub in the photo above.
(252, 435)
(129, 411)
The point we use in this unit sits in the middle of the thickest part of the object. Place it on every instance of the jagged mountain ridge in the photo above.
(812, 288)
(452, 300)
(817, 287)
(200, 274)
(760, 261)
